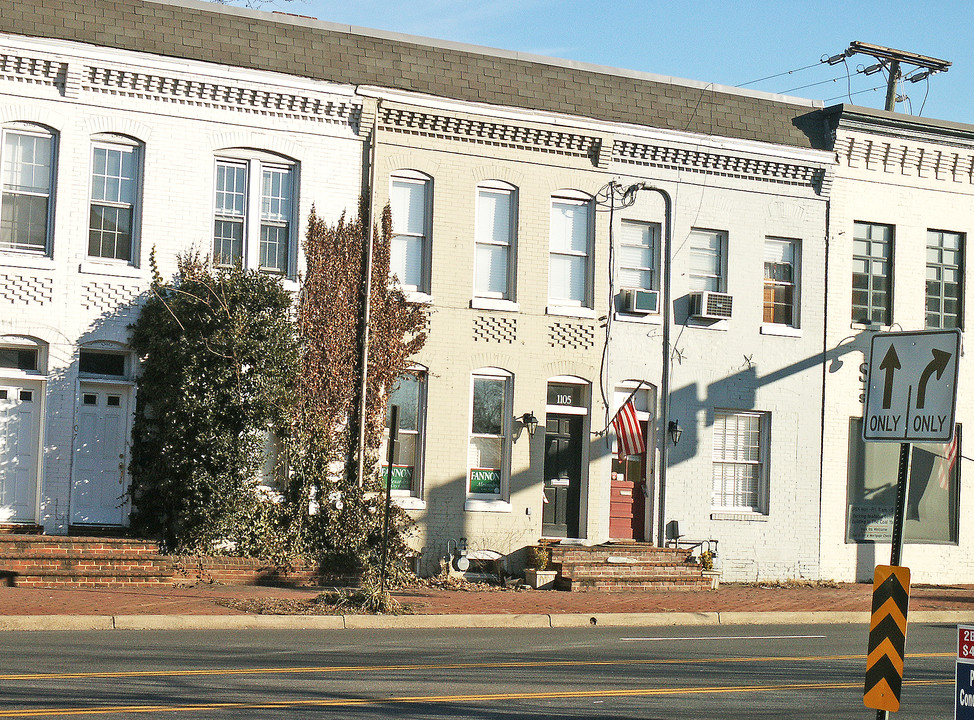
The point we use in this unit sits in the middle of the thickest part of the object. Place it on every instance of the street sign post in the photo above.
(911, 387)
(911, 396)
(964, 679)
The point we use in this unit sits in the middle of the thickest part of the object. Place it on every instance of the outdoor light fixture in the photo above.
(530, 422)
(676, 432)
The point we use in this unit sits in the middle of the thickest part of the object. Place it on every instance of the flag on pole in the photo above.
(629, 434)
(947, 463)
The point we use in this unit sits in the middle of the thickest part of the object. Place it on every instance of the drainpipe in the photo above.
(367, 302)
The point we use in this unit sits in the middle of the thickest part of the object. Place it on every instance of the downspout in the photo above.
(367, 301)
(667, 354)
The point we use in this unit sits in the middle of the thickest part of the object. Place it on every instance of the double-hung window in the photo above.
(114, 192)
(872, 283)
(708, 260)
(639, 255)
(488, 453)
(410, 202)
(945, 279)
(781, 281)
(570, 246)
(409, 393)
(496, 233)
(27, 179)
(254, 214)
(740, 462)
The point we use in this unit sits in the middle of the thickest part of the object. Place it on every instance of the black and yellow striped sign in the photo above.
(887, 638)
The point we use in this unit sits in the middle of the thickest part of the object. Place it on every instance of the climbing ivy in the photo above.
(233, 365)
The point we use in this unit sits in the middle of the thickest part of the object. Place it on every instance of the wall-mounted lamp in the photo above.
(676, 432)
(529, 421)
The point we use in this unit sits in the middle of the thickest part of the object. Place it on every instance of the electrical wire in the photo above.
(926, 92)
(787, 72)
(858, 92)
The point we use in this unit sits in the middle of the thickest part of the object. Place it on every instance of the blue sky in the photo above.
(728, 43)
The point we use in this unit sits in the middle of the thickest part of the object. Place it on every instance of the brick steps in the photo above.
(70, 561)
(608, 568)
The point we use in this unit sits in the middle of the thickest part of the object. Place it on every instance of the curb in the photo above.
(73, 623)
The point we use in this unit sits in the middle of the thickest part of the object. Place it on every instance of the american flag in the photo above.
(629, 434)
(948, 459)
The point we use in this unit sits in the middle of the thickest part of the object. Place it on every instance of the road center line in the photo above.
(351, 702)
(725, 637)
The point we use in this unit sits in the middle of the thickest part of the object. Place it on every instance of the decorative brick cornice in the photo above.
(34, 70)
(711, 163)
(900, 157)
(483, 132)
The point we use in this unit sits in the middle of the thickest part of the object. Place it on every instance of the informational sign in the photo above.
(887, 638)
(402, 476)
(964, 682)
(911, 388)
(485, 480)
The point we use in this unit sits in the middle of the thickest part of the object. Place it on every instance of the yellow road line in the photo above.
(442, 666)
(350, 702)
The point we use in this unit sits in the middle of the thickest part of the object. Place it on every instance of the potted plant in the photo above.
(539, 574)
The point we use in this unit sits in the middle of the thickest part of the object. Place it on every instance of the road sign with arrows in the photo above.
(911, 389)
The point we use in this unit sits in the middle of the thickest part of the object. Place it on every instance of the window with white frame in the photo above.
(114, 194)
(409, 393)
(27, 179)
(945, 279)
(410, 202)
(254, 214)
(639, 255)
(872, 282)
(781, 269)
(708, 260)
(496, 234)
(488, 454)
(740, 460)
(570, 248)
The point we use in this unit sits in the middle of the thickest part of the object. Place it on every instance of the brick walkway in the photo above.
(203, 599)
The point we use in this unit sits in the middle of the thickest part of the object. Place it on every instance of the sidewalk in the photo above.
(199, 606)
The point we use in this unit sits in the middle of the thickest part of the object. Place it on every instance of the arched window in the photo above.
(496, 240)
(113, 212)
(410, 199)
(27, 179)
(488, 453)
(409, 393)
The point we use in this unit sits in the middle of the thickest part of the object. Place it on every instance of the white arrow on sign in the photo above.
(912, 387)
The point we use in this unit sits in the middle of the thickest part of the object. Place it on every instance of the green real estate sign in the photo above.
(402, 476)
(485, 480)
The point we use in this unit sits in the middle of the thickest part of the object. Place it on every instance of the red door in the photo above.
(627, 503)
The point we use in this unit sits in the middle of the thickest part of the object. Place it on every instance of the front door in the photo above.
(20, 431)
(98, 493)
(627, 503)
(562, 475)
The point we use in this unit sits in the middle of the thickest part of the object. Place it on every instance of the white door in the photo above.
(98, 492)
(20, 431)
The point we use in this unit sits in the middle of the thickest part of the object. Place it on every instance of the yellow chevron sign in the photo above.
(887, 638)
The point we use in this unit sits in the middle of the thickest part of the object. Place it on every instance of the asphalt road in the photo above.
(749, 672)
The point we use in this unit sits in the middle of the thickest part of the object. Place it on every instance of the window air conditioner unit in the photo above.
(642, 302)
(711, 305)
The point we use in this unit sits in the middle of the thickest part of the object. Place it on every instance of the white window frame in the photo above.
(122, 144)
(654, 251)
(720, 459)
(414, 177)
(699, 280)
(253, 217)
(795, 284)
(37, 131)
(579, 199)
(509, 292)
(412, 499)
(492, 502)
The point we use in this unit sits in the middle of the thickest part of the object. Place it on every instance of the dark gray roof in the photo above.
(326, 51)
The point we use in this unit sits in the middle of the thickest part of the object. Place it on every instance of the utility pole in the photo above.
(891, 60)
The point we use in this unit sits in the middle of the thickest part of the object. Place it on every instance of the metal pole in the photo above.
(896, 546)
(393, 456)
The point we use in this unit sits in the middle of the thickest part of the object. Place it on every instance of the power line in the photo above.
(787, 72)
